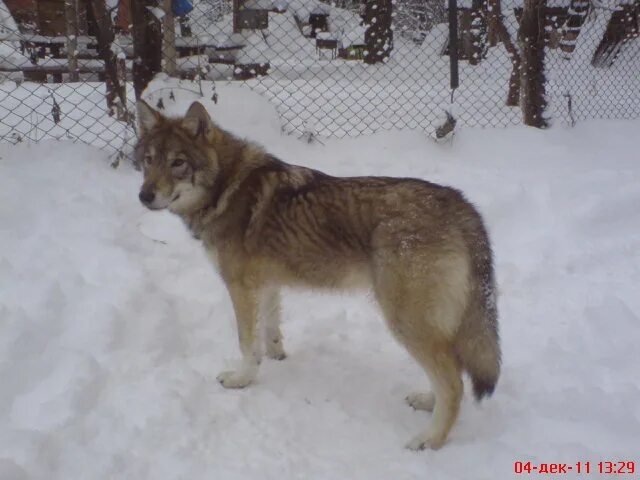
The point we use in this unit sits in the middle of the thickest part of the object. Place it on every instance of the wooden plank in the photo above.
(126, 42)
(71, 13)
(46, 39)
(85, 69)
(169, 39)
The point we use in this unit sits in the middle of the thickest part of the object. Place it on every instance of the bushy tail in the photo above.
(477, 342)
(478, 348)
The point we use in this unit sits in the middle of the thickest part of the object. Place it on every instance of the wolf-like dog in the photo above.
(420, 247)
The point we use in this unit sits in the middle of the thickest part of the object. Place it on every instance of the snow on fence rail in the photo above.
(346, 68)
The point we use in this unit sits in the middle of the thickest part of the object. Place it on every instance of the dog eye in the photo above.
(178, 162)
(148, 159)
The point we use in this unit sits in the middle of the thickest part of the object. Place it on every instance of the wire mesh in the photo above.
(340, 68)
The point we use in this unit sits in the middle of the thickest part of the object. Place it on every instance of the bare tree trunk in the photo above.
(513, 96)
(169, 40)
(622, 26)
(378, 37)
(532, 79)
(116, 93)
(496, 20)
(477, 32)
(147, 36)
(493, 11)
(497, 32)
(71, 17)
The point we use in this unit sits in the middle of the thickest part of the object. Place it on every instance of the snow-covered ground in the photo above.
(114, 326)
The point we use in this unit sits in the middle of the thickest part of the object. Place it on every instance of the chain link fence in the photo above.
(341, 68)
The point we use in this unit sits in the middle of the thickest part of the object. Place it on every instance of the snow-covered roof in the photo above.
(320, 10)
(326, 35)
(7, 23)
(10, 54)
(354, 36)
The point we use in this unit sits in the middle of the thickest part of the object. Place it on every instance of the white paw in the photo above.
(425, 440)
(275, 350)
(421, 401)
(235, 379)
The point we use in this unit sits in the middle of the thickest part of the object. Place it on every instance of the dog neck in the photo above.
(237, 161)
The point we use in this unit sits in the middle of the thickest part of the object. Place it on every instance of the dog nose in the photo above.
(146, 197)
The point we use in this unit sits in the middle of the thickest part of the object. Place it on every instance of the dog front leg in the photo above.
(245, 305)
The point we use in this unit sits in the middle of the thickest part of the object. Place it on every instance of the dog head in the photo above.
(177, 158)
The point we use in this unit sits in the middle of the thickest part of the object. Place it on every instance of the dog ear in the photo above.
(197, 121)
(147, 117)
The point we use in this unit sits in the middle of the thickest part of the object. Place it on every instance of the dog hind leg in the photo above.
(271, 313)
(423, 308)
(444, 370)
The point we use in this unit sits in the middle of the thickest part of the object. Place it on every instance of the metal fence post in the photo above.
(454, 80)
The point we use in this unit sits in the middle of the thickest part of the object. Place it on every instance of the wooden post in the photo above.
(169, 40)
(236, 16)
(147, 36)
(122, 71)
(71, 17)
(532, 80)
